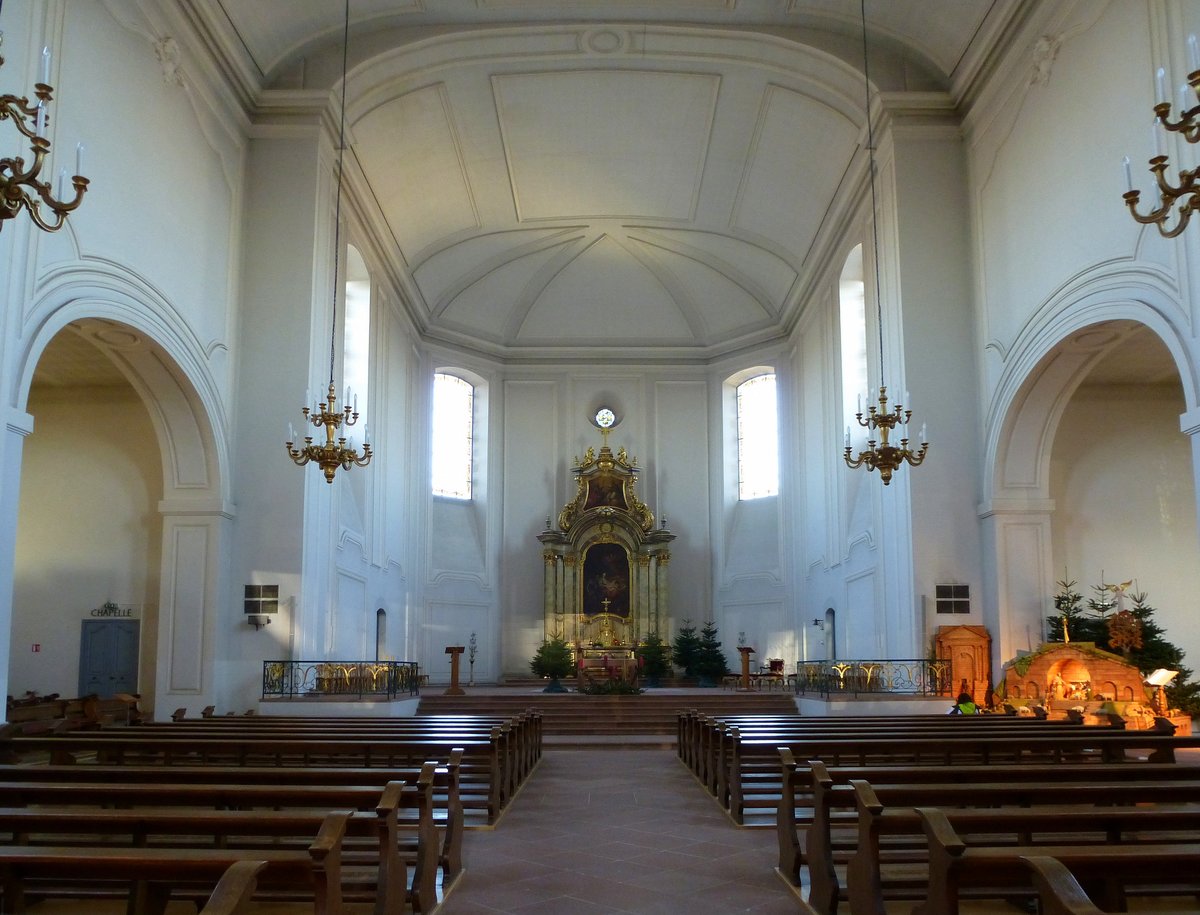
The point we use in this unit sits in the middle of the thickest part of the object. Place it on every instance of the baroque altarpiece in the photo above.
(605, 563)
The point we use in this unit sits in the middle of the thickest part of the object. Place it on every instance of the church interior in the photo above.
(567, 209)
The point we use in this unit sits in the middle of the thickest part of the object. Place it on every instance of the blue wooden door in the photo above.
(108, 657)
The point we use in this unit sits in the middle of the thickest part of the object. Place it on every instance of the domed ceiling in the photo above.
(622, 179)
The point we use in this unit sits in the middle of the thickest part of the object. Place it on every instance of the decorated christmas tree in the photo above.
(1131, 633)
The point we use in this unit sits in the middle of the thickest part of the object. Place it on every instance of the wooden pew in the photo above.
(712, 749)
(945, 748)
(231, 895)
(525, 728)
(63, 870)
(796, 808)
(954, 865)
(745, 772)
(484, 777)
(1059, 893)
(377, 818)
(519, 739)
(447, 807)
(1051, 824)
(698, 733)
(880, 809)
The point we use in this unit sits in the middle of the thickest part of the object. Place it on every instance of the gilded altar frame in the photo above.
(605, 563)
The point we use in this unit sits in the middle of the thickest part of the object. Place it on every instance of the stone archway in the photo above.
(1043, 374)
(148, 355)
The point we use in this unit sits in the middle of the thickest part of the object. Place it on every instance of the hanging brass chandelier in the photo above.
(881, 422)
(1181, 198)
(21, 187)
(334, 452)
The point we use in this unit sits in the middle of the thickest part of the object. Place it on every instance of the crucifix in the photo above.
(604, 603)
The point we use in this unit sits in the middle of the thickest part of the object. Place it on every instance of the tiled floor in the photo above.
(617, 831)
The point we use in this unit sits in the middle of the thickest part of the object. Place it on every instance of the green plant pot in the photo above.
(706, 682)
(554, 686)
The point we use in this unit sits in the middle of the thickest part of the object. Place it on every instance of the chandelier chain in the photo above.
(871, 179)
(881, 421)
(337, 206)
(336, 452)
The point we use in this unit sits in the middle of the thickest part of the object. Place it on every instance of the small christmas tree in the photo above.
(553, 660)
(710, 663)
(1133, 633)
(653, 658)
(684, 649)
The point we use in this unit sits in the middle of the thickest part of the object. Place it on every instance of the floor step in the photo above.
(578, 718)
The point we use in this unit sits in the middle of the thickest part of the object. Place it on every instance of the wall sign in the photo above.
(111, 610)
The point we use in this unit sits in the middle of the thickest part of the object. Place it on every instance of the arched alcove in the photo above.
(1086, 412)
(125, 438)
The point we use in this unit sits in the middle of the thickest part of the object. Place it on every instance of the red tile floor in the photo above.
(607, 831)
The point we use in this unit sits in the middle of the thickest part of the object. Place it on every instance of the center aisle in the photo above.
(617, 831)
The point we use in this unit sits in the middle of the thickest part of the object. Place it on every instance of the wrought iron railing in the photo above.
(340, 679)
(907, 677)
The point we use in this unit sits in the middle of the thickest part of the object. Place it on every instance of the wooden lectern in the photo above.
(455, 652)
(745, 651)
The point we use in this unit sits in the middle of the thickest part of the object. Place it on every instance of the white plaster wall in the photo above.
(678, 490)
(275, 335)
(89, 533)
(1121, 480)
(1055, 246)
(171, 223)
(545, 427)
(939, 377)
(1036, 150)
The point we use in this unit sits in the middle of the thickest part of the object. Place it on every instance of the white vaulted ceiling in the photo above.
(612, 177)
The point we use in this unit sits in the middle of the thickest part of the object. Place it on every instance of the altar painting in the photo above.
(606, 580)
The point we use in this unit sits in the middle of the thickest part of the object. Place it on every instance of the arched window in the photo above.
(757, 437)
(453, 436)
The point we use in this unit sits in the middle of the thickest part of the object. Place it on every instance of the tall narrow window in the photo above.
(758, 437)
(854, 340)
(356, 339)
(453, 436)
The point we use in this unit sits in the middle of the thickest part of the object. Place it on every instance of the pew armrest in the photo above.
(1059, 891)
(941, 834)
(233, 891)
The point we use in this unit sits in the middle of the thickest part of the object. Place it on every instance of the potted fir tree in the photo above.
(653, 659)
(709, 664)
(684, 649)
(553, 660)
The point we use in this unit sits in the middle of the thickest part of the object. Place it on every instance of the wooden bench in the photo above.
(155, 873)
(795, 811)
(47, 715)
(696, 730)
(752, 778)
(231, 895)
(377, 818)
(525, 728)
(447, 809)
(711, 755)
(866, 811)
(485, 779)
(955, 866)
(1059, 893)
(520, 736)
